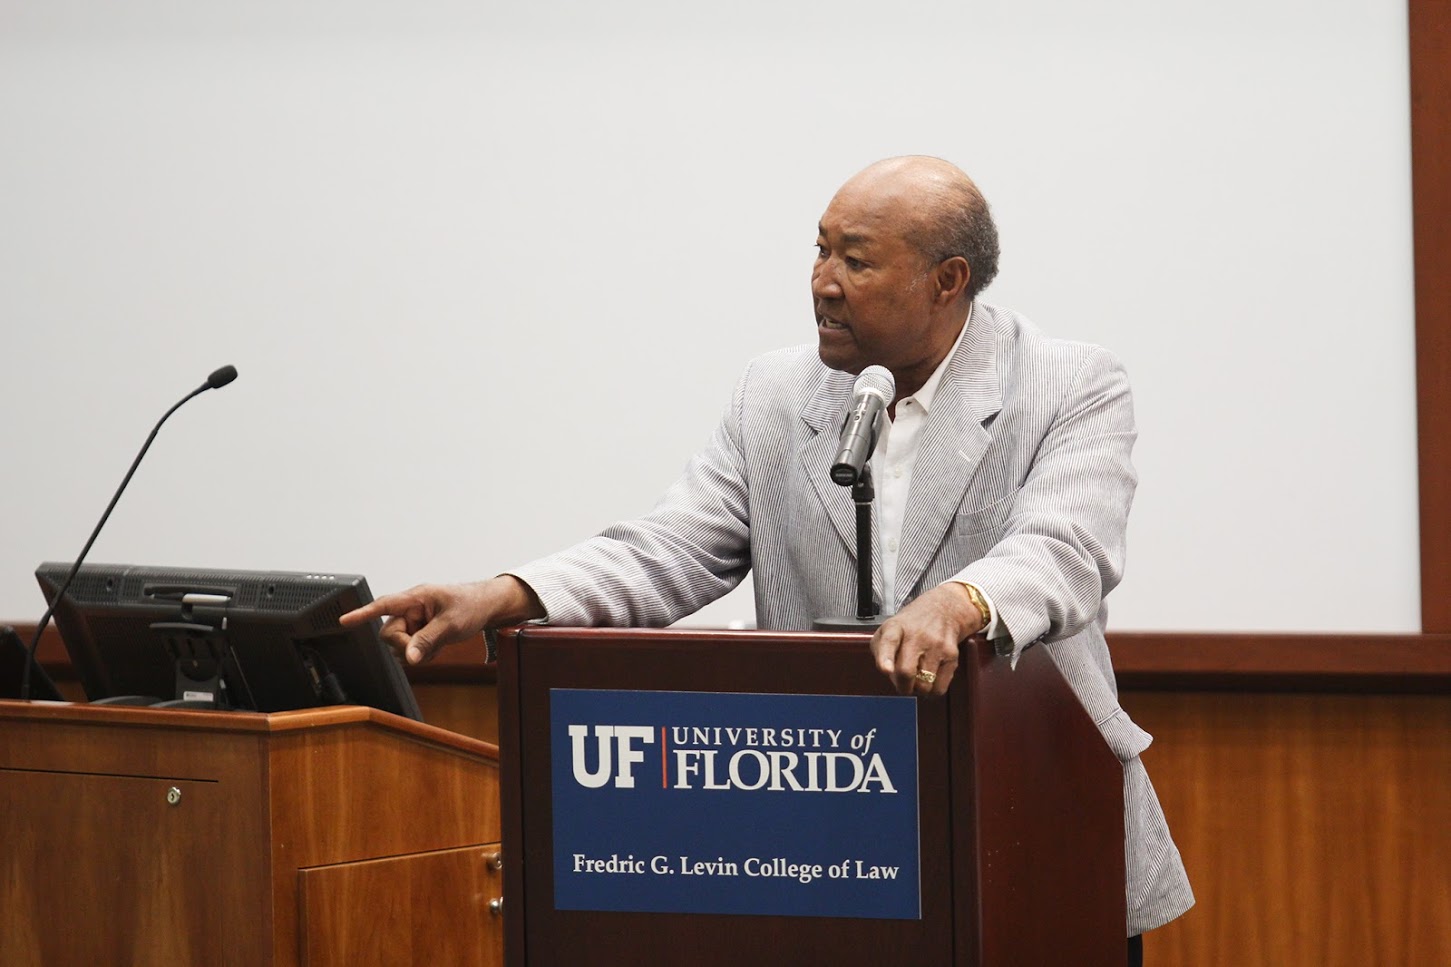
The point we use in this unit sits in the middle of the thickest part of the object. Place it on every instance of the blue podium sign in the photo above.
(704, 802)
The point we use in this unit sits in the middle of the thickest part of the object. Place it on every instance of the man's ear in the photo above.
(952, 275)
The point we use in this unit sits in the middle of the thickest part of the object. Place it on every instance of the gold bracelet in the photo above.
(980, 603)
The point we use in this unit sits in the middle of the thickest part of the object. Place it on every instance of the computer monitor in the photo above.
(265, 641)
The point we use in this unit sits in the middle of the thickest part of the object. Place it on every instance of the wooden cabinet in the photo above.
(342, 835)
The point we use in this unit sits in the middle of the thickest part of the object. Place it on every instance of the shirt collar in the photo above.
(923, 397)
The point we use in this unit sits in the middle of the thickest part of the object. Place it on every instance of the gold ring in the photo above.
(926, 677)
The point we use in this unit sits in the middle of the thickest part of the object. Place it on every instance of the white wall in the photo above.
(439, 239)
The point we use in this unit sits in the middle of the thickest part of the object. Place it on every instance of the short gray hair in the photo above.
(961, 224)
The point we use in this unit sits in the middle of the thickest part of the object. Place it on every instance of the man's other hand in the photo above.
(425, 618)
(917, 648)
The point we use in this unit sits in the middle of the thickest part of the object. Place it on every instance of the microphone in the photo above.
(871, 395)
(216, 380)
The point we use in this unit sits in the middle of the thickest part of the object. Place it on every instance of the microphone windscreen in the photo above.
(226, 374)
(878, 380)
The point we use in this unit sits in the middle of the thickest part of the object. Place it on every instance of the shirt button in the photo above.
(897, 472)
(892, 544)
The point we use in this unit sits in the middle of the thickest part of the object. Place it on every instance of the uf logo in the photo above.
(613, 742)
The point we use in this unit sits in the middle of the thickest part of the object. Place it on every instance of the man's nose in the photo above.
(824, 284)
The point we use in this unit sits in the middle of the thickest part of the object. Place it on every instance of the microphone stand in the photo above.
(867, 617)
(862, 495)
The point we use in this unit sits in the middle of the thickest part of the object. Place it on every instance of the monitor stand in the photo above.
(200, 652)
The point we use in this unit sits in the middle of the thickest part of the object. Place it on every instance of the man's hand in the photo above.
(423, 619)
(924, 636)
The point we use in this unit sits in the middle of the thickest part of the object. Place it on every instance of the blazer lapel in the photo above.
(951, 447)
(824, 413)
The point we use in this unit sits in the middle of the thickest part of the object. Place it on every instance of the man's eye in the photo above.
(854, 264)
(820, 250)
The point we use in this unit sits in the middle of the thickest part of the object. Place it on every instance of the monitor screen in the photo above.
(265, 641)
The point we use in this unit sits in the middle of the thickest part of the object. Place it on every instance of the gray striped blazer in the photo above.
(1022, 483)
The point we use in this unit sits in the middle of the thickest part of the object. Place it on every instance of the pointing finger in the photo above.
(369, 611)
(388, 604)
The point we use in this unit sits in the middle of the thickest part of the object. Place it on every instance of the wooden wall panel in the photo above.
(471, 710)
(1316, 828)
(1429, 23)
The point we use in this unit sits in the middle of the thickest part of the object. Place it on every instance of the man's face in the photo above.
(873, 291)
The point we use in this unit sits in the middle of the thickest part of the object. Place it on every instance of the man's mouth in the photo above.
(826, 322)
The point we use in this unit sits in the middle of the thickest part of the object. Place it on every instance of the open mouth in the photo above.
(826, 322)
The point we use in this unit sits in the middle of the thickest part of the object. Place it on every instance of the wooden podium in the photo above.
(330, 836)
(1020, 804)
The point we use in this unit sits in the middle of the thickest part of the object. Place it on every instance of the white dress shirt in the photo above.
(892, 462)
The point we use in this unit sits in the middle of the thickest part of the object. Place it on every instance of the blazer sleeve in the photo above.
(691, 549)
(1061, 549)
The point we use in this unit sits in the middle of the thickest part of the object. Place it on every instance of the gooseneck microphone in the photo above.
(870, 396)
(216, 380)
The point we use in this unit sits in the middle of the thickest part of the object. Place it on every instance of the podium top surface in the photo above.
(675, 635)
(244, 722)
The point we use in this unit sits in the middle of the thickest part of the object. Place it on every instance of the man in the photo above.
(1003, 479)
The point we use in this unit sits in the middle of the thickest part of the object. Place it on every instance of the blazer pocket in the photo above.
(988, 519)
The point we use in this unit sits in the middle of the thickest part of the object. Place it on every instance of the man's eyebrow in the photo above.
(849, 238)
